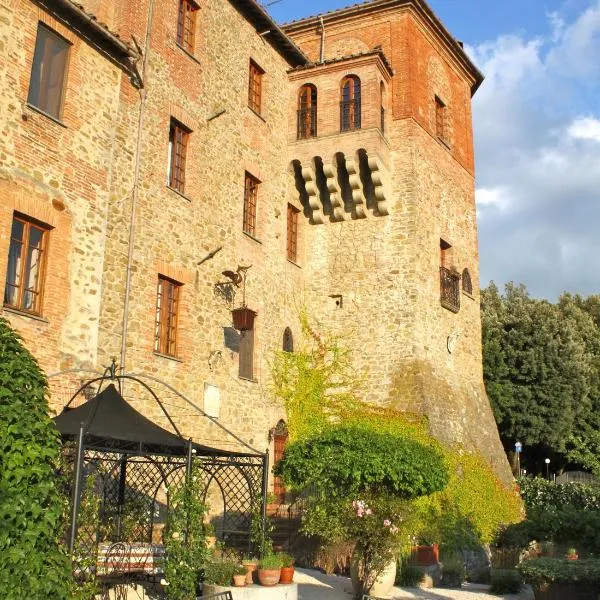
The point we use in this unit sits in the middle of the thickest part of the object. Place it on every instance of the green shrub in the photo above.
(270, 561)
(350, 459)
(505, 581)
(550, 570)
(408, 575)
(539, 493)
(221, 571)
(453, 571)
(32, 562)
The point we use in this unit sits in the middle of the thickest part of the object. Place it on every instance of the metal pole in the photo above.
(188, 466)
(265, 491)
(76, 490)
(188, 480)
(518, 464)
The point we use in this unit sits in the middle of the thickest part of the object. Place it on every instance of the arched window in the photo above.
(350, 103)
(288, 340)
(467, 284)
(307, 112)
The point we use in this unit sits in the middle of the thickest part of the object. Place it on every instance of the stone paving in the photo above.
(313, 585)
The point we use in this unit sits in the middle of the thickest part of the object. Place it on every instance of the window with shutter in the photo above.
(246, 356)
(255, 87)
(292, 233)
(178, 143)
(250, 201)
(167, 313)
(186, 25)
(48, 72)
(26, 265)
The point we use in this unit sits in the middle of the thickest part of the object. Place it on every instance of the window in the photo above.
(382, 103)
(178, 142)
(250, 197)
(167, 308)
(350, 103)
(307, 112)
(288, 340)
(246, 367)
(26, 265)
(186, 25)
(48, 72)
(292, 233)
(449, 279)
(467, 284)
(440, 120)
(255, 87)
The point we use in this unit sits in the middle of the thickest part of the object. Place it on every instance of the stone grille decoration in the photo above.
(119, 465)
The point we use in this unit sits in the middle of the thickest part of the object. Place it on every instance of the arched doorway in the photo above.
(280, 440)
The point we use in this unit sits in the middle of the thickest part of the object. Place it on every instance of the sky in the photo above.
(537, 135)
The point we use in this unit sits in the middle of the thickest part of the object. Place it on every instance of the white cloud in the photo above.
(538, 157)
(585, 128)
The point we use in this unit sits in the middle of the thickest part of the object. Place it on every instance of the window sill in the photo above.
(45, 114)
(247, 379)
(24, 313)
(257, 114)
(468, 295)
(252, 237)
(293, 262)
(178, 193)
(188, 53)
(168, 357)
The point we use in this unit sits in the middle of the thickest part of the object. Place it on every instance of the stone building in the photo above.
(148, 147)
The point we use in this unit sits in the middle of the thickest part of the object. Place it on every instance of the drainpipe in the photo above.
(322, 39)
(136, 181)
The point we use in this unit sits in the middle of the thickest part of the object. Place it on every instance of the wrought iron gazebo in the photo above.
(127, 463)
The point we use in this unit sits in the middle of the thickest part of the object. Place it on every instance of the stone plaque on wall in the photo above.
(212, 400)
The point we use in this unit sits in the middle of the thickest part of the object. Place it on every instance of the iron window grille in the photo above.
(48, 72)
(450, 289)
(467, 284)
(250, 201)
(307, 122)
(26, 266)
(350, 115)
(186, 25)
(167, 316)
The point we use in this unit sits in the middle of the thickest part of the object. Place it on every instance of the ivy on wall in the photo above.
(321, 390)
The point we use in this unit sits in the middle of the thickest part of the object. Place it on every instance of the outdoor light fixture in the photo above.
(547, 461)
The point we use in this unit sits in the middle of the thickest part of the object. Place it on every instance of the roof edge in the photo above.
(420, 6)
(263, 22)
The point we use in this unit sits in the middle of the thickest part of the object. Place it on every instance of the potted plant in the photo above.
(572, 554)
(220, 572)
(239, 576)
(250, 563)
(269, 570)
(287, 568)
(243, 318)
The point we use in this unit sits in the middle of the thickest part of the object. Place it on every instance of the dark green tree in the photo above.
(32, 563)
(541, 373)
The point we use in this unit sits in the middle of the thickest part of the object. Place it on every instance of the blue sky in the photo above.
(537, 133)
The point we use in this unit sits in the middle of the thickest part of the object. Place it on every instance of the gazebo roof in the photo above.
(112, 424)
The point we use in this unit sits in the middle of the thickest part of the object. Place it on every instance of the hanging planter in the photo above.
(243, 318)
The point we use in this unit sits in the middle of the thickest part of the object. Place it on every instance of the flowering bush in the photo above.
(373, 523)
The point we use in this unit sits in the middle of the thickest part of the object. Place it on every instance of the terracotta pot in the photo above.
(269, 577)
(383, 585)
(287, 575)
(426, 556)
(250, 569)
(243, 318)
(239, 580)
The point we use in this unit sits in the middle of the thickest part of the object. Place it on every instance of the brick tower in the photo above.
(382, 155)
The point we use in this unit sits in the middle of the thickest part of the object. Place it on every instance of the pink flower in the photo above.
(368, 512)
(387, 523)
